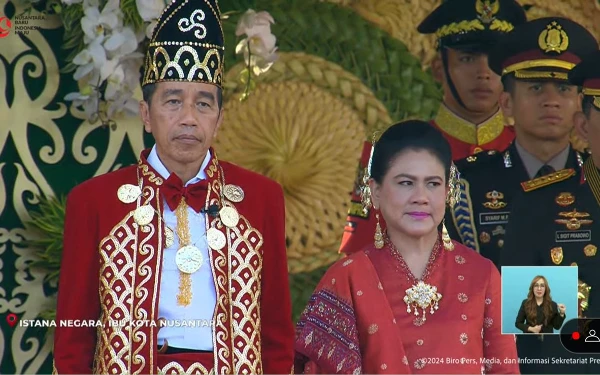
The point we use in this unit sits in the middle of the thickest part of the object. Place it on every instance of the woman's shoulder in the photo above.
(349, 263)
(479, 267)
(471, 256)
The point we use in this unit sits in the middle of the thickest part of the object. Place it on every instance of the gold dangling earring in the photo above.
(448, 244)
(378, 234)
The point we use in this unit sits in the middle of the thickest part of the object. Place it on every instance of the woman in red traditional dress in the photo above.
(414, 301)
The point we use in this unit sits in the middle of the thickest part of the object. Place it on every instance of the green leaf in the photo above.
(48, 224)
(131, 16)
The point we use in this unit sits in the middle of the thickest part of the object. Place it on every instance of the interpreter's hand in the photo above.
(562, 308)
(535, 329)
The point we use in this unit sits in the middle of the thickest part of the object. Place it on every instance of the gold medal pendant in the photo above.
(128, 193)
(234, 193)
(216, 239)
(143, 215)
(189, 259)
(229, 216)
(422, 296)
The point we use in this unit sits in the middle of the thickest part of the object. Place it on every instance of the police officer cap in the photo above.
(472, 25)
(542, 49)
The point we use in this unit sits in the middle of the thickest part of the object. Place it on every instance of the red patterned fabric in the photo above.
(357, 321)
(110, 271)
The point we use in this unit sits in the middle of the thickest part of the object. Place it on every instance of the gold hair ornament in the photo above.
(454, 186)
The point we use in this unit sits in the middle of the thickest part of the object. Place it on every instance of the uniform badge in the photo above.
(484, 237)
(143, 215)
(507, 160)
(573, 219)
(234, 193)
(229, 216)
(495, 200)
(216, 239)
(565, 199)
(557, 255)
(471, 159)
(553, 38)
(499, 230)
(486, 10)
(128, 193)
(590, 250)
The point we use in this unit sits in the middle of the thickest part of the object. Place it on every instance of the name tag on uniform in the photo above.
(573, 236)
(489, 218)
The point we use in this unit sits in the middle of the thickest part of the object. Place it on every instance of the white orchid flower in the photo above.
(150, 9)
(123, 102)
(88, 99)
(260, 41)
(95, 24)
(252, 23)
(121, 42)
(93, 57)
(150, 28)
(257, 47)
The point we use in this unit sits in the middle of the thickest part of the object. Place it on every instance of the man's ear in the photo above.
(437, 68)
(581, 125)
(506, 104)
(145, 114)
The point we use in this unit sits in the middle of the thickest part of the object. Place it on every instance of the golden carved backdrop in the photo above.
(304, 126)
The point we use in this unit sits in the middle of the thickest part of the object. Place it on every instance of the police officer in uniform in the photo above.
(533, 60)
(553, 221)
(469, 117)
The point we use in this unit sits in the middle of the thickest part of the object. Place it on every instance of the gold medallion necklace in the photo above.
(421, 295)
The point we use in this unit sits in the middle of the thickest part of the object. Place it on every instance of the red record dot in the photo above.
(575, 335)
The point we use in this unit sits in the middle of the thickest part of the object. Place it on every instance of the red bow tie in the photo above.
(194, 194)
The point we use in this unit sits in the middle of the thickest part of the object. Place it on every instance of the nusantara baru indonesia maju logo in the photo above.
(5, 26)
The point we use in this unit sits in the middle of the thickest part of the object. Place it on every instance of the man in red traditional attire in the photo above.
(180, 259)
(469, 117)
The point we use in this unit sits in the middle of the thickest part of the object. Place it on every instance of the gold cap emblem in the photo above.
(553, 38)
(557, 255)
(486, 10)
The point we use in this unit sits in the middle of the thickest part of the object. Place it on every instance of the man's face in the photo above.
(542, 110)
(478, 87)
(183, 117)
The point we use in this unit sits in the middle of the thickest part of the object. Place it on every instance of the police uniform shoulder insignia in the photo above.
(546, 180)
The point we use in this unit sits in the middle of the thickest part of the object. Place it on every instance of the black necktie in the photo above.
(544, 170)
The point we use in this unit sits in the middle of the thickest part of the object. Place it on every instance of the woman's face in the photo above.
(412, 195)
(539, 288)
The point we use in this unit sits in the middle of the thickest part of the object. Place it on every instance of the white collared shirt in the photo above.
(204, 298)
